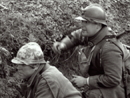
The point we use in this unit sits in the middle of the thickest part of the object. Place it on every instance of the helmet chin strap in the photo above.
(96, 33)
(99, 27)
(99, 36)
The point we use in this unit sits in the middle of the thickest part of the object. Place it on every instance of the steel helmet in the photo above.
(93, 12)
(30, 53)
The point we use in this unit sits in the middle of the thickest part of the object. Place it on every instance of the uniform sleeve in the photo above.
(111, 61)
(72, 39)
(45, 91)
(77, 34)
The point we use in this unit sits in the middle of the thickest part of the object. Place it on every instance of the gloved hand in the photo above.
(79, 81)
(55, 47)
(58, 47)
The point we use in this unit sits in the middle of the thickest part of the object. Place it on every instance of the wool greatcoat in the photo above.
(105, 70)
(49, 82)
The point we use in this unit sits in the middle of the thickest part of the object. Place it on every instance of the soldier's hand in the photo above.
(55, 47)
(79, 81)
(58, 47)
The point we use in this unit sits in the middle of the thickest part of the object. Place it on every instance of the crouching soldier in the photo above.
(103, 58)
(42, 80)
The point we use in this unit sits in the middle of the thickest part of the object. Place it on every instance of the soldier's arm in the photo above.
(111, 58)
(69, 41)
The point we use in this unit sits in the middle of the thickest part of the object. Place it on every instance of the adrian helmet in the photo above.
(93, 12)
(30, 53)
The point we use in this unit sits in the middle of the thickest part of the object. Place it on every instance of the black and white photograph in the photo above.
(64, 48)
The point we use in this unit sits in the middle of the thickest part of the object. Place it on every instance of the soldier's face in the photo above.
(88, 29)
(25, 71)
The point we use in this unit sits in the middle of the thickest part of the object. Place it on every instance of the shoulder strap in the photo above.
(122, 47)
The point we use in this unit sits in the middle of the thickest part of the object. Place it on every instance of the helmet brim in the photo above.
(88, 19)
(100, 21)
(27, 62)
(16, 61)
(80, 18)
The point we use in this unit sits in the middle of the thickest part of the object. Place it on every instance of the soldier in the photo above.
(103, 62)
(42, 80)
